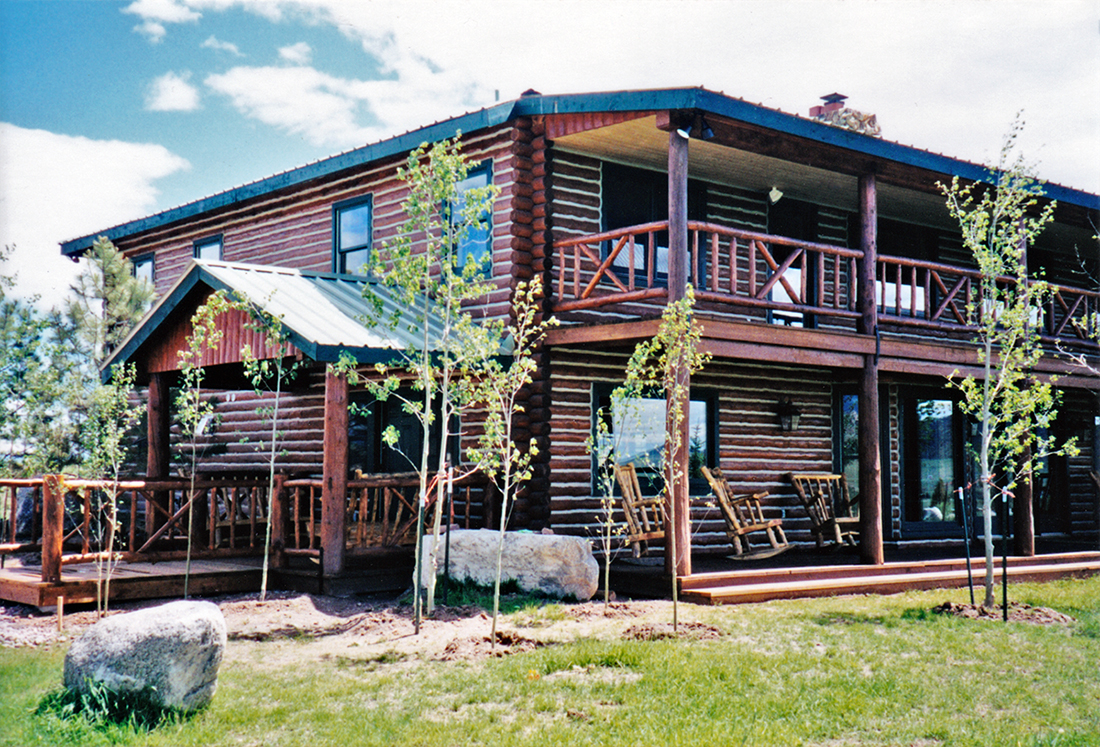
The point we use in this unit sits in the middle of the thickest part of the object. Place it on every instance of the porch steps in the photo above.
(741, 586)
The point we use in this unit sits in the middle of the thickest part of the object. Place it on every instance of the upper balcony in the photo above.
(743, 278)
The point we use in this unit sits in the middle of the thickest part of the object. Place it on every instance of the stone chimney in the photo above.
(834, 112)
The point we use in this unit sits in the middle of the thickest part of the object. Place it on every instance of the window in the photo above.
(351, 241)
(932, 466)
(209, 248)
(638, 431)
(477, 244)
(368, 419)
(846, 443)
(632, 197)
(143, 268)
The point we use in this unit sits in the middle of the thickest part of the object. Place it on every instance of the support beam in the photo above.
(1023, 511)
(678, 509)
(158, 457)
(334, 474)
(53, 528)
(678, 264)
(870, 463)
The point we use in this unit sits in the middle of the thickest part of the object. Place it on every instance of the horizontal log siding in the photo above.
(751, 448)
(891, 472)
(293, 228)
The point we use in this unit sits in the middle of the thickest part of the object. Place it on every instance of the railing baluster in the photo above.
(630, 262)
(694, 274)
(561, 273)
(752, 269)
(652, 259)
(577, 271)
(714, 261)
(733, 266)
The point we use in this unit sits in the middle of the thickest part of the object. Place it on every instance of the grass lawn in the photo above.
(841, 671)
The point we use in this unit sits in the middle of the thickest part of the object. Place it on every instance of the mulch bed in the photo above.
(1017, 612)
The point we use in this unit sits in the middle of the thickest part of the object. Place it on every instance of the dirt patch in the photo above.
(693, 631)
(1017, 612)
(479, 647)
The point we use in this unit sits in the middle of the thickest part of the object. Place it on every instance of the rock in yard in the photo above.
(554, 564)
(172, 652)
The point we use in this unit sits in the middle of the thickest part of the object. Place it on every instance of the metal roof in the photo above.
(324, 314)
(613, 101)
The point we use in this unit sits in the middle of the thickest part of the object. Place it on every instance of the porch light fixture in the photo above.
(789, 415)
(696, 128)
(775, 195)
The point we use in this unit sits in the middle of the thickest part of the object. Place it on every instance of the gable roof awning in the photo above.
(324, 315)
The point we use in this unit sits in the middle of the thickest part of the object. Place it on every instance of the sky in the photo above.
(111, 111)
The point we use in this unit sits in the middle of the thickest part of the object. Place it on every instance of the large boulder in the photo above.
(554, 564)
(171, 652)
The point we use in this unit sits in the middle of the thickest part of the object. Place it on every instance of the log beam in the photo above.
(334, 474)
(870, 462)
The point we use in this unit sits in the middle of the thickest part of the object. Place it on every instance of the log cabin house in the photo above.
(831, 287)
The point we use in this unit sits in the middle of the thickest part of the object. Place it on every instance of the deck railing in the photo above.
(941, 296)
(68, 520)
(728, 266)
(733, 268)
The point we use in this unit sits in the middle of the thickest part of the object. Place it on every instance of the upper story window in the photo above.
(209, 248)
(144, 268)
(632, 197)
(477, 244)
(351, 240)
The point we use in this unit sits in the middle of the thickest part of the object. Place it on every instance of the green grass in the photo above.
(843, 671)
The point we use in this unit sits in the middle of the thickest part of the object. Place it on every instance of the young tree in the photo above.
(107, 301)
(1013, 409)
(268, 375)
(195, 411)
(666, 363)
(496, 387)
(104, 434)
(423, 266)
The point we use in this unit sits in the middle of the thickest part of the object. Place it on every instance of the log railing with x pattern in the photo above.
(929, 294)
(728, 266)
(736, 268)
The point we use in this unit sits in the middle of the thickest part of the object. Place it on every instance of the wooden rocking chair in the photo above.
(823, 496)
(645, 517)
(744, 516)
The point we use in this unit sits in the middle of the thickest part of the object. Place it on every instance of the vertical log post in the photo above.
(870, 464)
(159, 454)
(276, 514)
(1024, 512)
(678, 273)
(334, 474)
(53, 528)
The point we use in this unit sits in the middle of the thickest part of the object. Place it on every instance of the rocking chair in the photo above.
(823, 496)
(743, 516)
(645, 517)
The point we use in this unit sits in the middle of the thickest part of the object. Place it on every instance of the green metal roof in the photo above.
(613, 101)
(324, 314)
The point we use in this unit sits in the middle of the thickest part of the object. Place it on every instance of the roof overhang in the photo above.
(752, 128)
(325, 317)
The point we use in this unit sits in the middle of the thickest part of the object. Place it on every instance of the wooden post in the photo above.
(53, 527)
(334, 474)
(678, 265)
(276, 514)
(679, 508)
(870, 463)
(1024, 511)
(159, 445)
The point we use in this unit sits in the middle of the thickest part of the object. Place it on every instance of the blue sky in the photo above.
(110, 111)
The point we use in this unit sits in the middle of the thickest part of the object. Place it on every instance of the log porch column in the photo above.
(870, 465)
(158, 455)
(53, 527)
(334, 474)
(1023, 512)
(679, 516)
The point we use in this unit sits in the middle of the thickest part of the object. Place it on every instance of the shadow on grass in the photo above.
(103, 709)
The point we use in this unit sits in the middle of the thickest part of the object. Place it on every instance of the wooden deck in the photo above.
(23, 583)
(809, 575)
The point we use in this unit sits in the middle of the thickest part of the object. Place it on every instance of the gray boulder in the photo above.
(554, 564)
(172, 652)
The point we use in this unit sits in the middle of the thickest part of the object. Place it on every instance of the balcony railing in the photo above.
(746, 270)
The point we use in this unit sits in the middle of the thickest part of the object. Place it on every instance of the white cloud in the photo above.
(300, 53)
(56, 187)
(171, 92)
(215, 43)
(156, 13)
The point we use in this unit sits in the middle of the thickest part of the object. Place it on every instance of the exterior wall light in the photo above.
(789, 415)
